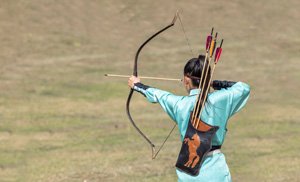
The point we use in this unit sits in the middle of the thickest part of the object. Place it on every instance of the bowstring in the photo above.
(154, 154)
(185, 36)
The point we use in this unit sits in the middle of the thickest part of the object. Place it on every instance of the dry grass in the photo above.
(61, 120)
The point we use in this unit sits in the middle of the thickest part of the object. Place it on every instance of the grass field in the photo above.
(61, 120)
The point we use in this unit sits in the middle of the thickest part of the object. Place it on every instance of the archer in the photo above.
(217, 107)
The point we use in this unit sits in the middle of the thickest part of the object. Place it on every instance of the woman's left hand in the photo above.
(132, 80)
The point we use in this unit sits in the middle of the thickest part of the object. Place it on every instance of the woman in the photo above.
(227, 99)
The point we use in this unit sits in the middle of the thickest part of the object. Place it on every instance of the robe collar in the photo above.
(194, 91)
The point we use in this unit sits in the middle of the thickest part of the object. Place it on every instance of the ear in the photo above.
(187, 80)
(184, 80)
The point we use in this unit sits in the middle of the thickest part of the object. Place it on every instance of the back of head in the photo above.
(193, 69)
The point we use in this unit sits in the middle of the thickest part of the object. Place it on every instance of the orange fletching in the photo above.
(212, 47)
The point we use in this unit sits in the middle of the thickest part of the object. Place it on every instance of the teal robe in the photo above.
(220, 106)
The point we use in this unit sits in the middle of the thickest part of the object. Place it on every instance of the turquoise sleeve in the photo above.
(166, 100)
(240, 96)
(232, 99)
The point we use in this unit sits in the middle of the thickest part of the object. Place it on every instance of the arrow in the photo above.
(144, 77)
(210, 48)
(217, 57)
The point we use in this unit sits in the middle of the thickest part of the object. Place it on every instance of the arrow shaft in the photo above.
(144, 77)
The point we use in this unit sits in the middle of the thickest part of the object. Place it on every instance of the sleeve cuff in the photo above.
(218, 84)
(141, 88)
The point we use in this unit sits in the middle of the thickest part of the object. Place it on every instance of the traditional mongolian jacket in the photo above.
(225, 101)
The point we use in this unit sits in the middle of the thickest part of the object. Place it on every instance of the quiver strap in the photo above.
(196, 144)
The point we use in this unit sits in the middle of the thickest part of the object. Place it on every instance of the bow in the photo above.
(135, 73)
